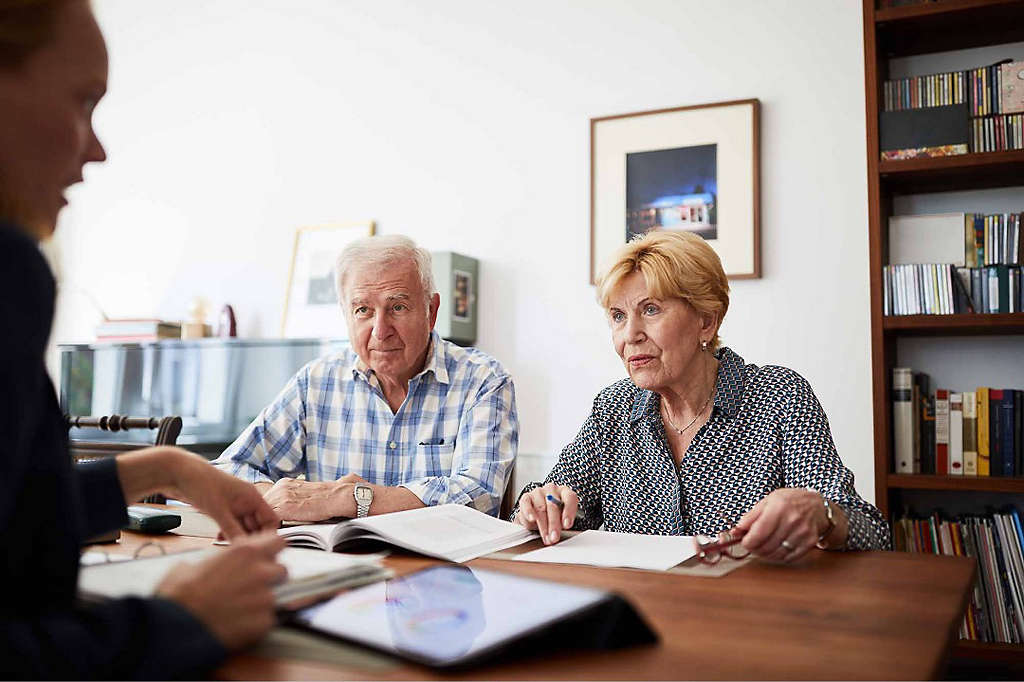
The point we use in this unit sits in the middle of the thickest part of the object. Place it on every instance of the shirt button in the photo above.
(392, 445)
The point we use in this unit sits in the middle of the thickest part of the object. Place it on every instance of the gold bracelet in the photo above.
(830, 517)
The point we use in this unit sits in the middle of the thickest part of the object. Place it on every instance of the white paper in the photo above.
(142, 576)
(622, 550)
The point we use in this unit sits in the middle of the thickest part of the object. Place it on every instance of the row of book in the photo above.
(992, 239)
(136, 330)
(986, 90)
(998, 133)
(944, 289)
(954, 433)
(963, 239)
(995, 541)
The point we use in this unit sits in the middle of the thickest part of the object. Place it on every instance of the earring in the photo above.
(703, 346)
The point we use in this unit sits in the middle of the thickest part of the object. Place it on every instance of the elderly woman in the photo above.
(697, 441)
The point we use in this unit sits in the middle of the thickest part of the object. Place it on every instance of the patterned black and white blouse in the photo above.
(766, 431)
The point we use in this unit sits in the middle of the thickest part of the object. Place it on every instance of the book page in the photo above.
(449, 531)
(624, 550)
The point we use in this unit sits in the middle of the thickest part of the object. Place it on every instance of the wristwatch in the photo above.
(364, 497)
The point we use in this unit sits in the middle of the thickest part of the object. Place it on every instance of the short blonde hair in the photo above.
(674, 265)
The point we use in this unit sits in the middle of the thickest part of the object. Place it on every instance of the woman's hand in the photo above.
(236, 506)
(231, 593)
(547, 518)
(787, 523)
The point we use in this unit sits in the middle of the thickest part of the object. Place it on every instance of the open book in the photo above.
(309, 573)
(449, 531)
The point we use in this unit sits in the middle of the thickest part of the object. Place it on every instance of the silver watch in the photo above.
(364, 497)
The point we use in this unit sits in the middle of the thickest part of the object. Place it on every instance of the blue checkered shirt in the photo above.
(453, 440)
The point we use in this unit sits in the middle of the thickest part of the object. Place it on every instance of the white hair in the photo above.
(382, 250)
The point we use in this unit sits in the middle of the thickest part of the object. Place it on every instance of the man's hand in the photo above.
(231, 593)
(236, 506)
(296, 500)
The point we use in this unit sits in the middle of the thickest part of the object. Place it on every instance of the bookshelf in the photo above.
(932, 27)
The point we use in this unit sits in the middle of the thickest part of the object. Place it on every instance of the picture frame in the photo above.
(311, 307)
(693, 168)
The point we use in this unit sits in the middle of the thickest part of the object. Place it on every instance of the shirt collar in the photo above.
(729, 388)
(435, 363)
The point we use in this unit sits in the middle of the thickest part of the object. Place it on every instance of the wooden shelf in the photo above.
(943, 26)
(991, 484)
(966, 324)
(962, 172)
(949, 25)
(989, 652)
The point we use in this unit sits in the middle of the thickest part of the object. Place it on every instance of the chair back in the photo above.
(167, 431)
(508, 498)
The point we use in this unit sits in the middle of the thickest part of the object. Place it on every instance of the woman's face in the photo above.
(658, 340)
(46, 134)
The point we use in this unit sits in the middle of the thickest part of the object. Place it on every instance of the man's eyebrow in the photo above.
(398, 297)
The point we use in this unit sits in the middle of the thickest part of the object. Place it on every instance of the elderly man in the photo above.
(402, 420)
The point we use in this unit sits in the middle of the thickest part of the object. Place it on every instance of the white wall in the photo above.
(464, 124)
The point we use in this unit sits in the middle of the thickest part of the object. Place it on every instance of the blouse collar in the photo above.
(729, 388)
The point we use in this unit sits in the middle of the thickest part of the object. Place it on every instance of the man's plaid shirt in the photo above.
(453, 440)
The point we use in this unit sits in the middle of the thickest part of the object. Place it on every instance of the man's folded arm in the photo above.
(485, 451)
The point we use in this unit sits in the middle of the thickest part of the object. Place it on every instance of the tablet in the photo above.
(447, 615)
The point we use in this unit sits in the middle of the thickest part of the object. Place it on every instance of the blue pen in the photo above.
(554, 500)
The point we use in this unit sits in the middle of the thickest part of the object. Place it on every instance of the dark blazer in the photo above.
(47, 506)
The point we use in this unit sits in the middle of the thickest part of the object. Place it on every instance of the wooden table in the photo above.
(858, 615)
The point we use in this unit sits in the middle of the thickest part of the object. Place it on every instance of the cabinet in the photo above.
(894, 33)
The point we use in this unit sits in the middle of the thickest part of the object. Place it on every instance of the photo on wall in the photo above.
(692, 168)
(672, 189)
(311, 307)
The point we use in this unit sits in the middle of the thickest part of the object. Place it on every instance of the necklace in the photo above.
(693, 421)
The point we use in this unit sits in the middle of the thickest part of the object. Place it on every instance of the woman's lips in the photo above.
(640, 360)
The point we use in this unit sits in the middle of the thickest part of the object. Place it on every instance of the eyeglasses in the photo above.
(711, 548)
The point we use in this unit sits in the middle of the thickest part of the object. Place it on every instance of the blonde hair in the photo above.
(674, 265)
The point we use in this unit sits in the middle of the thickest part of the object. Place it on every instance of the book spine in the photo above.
(995, 399)
(941, 432)
(970, 255)
(1018, 431)
(1003, 281)
(902, 419)
(970, 404)
(956, 434)
(1006, 429)
(983, 431)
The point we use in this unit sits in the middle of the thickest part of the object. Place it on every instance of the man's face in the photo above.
(46, 134)
(389, 318)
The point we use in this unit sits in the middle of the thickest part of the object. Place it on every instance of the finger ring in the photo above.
(785, 543)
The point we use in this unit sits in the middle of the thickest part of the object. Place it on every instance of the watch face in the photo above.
(364, 493)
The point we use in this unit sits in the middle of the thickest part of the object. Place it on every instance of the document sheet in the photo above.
(617, 550)
(309, 572)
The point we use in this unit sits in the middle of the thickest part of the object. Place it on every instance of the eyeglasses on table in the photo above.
(712, 548)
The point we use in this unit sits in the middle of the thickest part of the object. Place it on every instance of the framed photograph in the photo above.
(462, 287)
(311, 305)
(689, 168)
